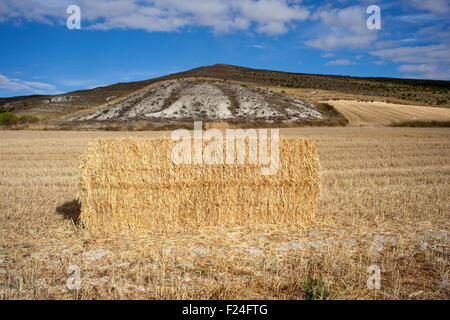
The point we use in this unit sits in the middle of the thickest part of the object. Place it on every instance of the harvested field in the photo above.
(385, 201)
(380, 113)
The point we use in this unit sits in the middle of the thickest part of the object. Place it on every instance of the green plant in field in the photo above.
(28, 119)
(8, 118)
(315, 289)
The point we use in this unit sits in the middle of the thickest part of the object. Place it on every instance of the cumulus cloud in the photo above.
(344, 28)
(270, 17)
(31, 86)
(19, 10)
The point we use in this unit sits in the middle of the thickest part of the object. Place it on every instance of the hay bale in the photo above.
(133, 184)
(217, 125)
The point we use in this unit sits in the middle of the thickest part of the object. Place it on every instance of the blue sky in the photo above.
(129, 40)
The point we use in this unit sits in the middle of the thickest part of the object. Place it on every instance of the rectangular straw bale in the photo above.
(133, 184)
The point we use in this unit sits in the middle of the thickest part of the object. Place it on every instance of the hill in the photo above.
(307, 87)
(186, 100)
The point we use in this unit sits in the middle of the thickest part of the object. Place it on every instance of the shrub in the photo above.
(422, 124)
(8, 119)
(28, 119)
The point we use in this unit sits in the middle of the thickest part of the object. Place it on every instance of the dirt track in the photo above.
(381, 114)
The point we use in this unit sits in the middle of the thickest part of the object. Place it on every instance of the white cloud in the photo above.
(416, 54)
(416, 68)
(425, 71)
(12, 84)
(271, 17)
(417, 18)
(327, 55)
(435, 6)
(18, 10)
(439, 33)
(344, 28)
(352, 18)
(272, 28)
(340, 62)
(54, 3)
(351, 41)
(430, 62)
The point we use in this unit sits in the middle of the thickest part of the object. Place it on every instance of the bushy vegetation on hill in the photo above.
(8, 119)
(422, 124)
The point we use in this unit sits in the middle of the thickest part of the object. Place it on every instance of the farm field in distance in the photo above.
(385, 201)
(379, 113)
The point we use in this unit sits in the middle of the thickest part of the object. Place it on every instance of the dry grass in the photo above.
(217, 125)
(385, 201)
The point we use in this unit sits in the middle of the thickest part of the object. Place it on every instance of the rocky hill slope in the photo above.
(194, 99)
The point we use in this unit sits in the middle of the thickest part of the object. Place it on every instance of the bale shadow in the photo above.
(70, 211)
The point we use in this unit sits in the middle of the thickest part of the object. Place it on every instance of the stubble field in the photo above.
(380, 114)
(385, 202)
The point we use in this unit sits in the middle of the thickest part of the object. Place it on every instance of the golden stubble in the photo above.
(385, 201)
